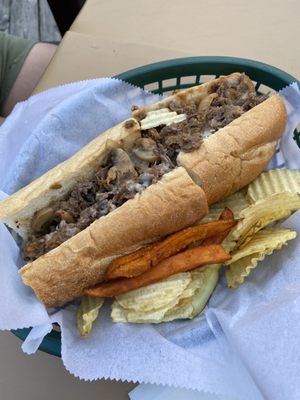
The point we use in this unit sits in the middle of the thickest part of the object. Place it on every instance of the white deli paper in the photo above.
(244, 346)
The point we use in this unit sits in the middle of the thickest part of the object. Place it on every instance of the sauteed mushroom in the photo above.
(122, 166)
(206, 102)
(44, 217)
(64, 215)
(146, 150)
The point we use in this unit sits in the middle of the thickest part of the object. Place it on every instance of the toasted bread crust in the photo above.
(236, 154)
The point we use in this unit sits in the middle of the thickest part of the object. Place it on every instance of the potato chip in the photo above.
(187, 305)
(87, 313)
(120, 314)
(157, 295)
(191, 288)
(268, 238)
(246, 258)
(161, 111)
(161, 117)
(274, 181)
(191, 306)
(236, 203)
(238, 271)
(183, 310)
(199, 277)
(262, 213)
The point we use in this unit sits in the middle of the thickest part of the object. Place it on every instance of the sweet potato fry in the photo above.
(182, 262)
(143, 259)
(218, 239)
(226, 215)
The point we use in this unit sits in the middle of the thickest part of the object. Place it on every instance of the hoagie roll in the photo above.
(143, 179)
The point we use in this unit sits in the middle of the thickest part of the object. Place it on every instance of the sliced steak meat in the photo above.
(217, 117)
(226, 101)
(82, 196)
(33, 248)
(62, 233)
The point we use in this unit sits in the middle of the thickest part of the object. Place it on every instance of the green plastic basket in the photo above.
(164, 77)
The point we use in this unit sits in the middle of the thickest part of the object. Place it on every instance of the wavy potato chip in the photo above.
(236, 202)
(238, 271)
(274, 181)
(200, 277)
(268, 238)
(262, 213)
(157, 295)
(182, 307)
(246, 258)
(87, 313)
(196, 282)
(191, 306)
(162, 116)
(182, 310)
(120, 314)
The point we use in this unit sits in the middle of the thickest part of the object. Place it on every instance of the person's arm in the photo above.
(31, 72)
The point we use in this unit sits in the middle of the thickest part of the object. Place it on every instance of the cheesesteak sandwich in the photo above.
(145, 178)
